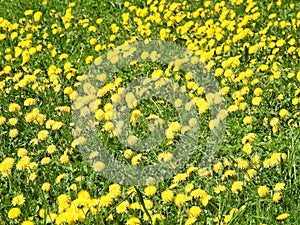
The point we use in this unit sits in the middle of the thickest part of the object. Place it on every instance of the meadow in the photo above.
(51, 93)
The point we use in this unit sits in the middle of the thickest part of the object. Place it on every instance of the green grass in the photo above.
(49, 87)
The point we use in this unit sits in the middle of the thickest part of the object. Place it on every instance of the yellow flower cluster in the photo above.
(250, 48)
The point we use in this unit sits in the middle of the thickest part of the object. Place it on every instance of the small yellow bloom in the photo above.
(263, 191)
(46, 186)
(12, 121)
(150, 191)
(14, 107)
(220, 188)
(247, 120)
(128, 153)
(279, 186)
(256, 101)
(167, 196)
(283, 113)
(282, 216)
(14, 213)
(276, 197)
(237, 186)
(18, 200)
(136, 159)
(99, 20)
(98, 166)
(37, 16)
(28, 12)
(133, 221)
(194, 211)
(43, 134)
(13, 133)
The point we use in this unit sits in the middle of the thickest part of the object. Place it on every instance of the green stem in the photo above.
(140, 196)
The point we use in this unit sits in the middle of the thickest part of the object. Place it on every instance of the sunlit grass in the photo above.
(252, 48)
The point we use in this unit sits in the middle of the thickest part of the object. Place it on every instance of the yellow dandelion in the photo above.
(237, 186)
(46, 186)
(14, 213)
(282, 216)
(150, 191)
(98, 166)
(263, 191)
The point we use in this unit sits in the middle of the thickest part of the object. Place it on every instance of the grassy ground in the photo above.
(251, 47)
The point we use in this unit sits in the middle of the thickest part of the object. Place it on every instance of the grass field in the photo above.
(49, 171)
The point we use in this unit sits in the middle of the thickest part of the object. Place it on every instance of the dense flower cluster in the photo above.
(251, 47)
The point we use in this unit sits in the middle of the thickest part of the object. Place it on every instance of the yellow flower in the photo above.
(98, 166)
(12, 121)
(37, 16)
(175, 126)
(114, 190)
(13, 133)
(279, 186)
(283, 113)
(63, 56)
(194, 211)
(59, 178)
(180, 177)
(64, 158)
(63, 199)
(205, 199)
(92, 29)
(51, 149)
(280, 43)
(6, 166)
(2, 37)
(122, 207)
(150, 191)
(242, 163)
(128, 153)
(274, 122)
(134, 115)
(108, 126)
(27, 222)
(218, 167)
(46, 186)
(189, 187)
(169, 133)
(22, 152)
(45, 160)
(114, 28)
(89, 59)
(247, 120)
(18, 200)
(276, 197)
(133, 221)
(136, 159)
(29, 102)
(99, 20)
(263, 191)
(298, 75)
(237, 186)
(99, 115)
(282, 216)
(32, 176)
(14, 213)
(167, 196)
(256, 100)
(190, 221)
(180, 199)
(43, 134)
(28, 12)
(14, 107)
(2, 120)
(57, 125)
